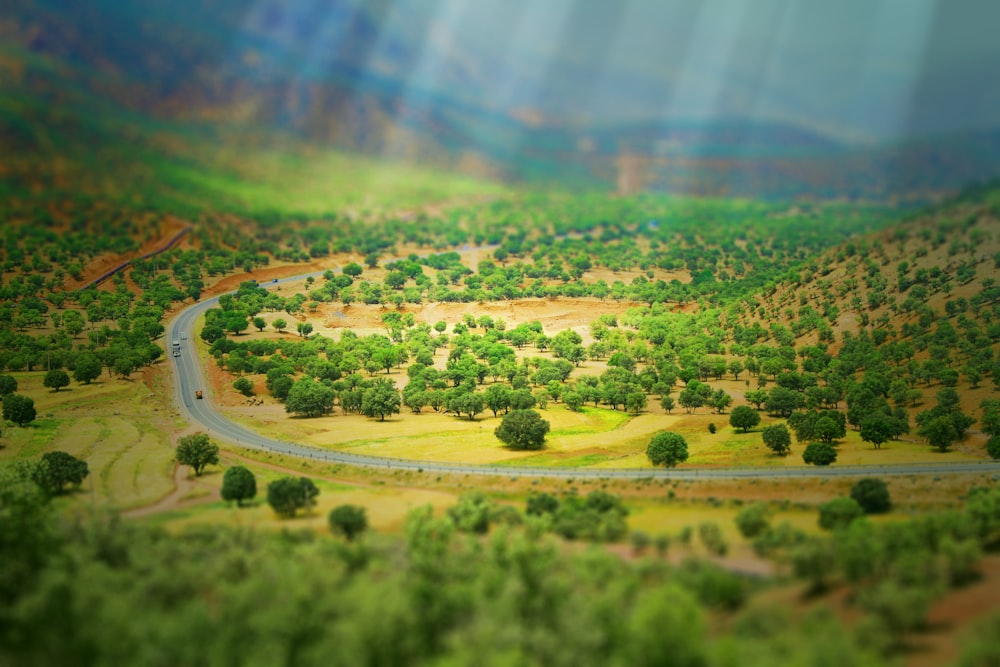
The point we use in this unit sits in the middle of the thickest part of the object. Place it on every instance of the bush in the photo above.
(712, 429)
(667, 449)
(244, 386)
(753, 520)
(348, 520)
(711, 537)
(993, 447)
(872, 494)
(819, 453)
(472, 513)
(839, 513)
(289, 494)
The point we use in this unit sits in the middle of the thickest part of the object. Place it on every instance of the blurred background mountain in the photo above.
(860, 99)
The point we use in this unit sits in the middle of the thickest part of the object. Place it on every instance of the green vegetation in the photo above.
(819, 453)
(18, 409)
(667, 449)
(522, 429)
(238, 484)
(872, 494)
(288, 495)
(348, 520)
(197, 451)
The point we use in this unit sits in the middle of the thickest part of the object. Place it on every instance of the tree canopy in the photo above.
(522, 429)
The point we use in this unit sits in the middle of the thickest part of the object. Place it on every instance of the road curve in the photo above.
(189, 377)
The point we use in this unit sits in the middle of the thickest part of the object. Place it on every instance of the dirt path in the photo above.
(103, 266)
(184, 485)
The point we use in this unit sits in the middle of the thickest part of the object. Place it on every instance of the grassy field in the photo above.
(113, 425)
(598, 437)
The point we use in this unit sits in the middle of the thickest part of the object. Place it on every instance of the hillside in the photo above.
(235, 74)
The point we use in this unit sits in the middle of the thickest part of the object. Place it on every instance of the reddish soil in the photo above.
(107, 261)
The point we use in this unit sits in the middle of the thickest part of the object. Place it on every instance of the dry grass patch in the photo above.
(112, 425)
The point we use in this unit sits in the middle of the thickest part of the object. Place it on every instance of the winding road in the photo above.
(189, 377)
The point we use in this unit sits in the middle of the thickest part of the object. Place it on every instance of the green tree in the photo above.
(279, 325)
(573, 400)
(993, 447)
(940, 433)
(380, 399)
(522, 429)
(348, 520)
(244, 386)
(309, 398)
(497, 398)
(58, 469)
(877, 429)
(88, 368)
(472, 513)
(8, 385)
(990, 420)
(778, 439)
(839, 513)
(56, 379)
(260, 323)
(756, 396)
(667, 449)
(872, 494)
(783, 402)
(197, 451)
(819, 453)
(354, 269)
(467, 403)
(744, 417)
(288, 495)
(753, 519)
(635, 401)
(19, 409)
(238, 484)
(304, 328)
(826, 429)
(540, 503)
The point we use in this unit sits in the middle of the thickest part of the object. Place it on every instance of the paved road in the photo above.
(190, 376)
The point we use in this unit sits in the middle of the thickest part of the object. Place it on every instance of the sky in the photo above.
(857, 70)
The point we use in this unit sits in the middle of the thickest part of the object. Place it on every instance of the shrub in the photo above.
(839, 513)
(348, 520)
(993, 447)
(289, 494)
(872, 494)
(753, 520)
(244, 386)
(819, 453)
(711, 537)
